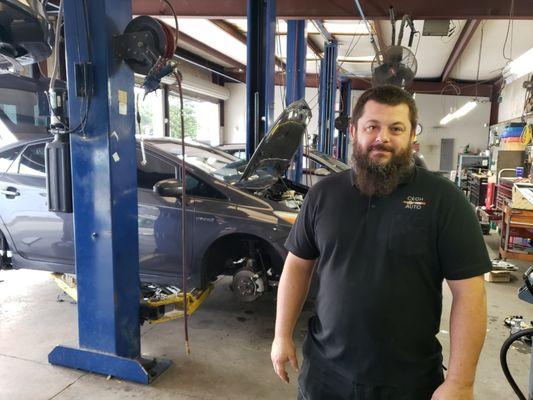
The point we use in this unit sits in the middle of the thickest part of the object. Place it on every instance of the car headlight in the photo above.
(286, 216)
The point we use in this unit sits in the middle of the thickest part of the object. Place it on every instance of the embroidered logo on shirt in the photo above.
(414, 202)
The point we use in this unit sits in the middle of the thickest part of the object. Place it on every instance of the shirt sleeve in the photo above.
(462, 250)
(301, 240)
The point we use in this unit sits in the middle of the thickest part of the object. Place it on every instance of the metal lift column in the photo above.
(327, 91)
(260, 44)
(344, 135)
(103, 158)
(296, 49)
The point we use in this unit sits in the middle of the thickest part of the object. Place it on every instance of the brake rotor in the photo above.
(248, 285)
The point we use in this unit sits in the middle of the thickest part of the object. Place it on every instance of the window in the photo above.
(198, 188)
(201, 119)
(32, 161)
(153, 171)
(23, 111)
(7, 158)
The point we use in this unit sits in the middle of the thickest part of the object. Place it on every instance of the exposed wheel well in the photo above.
(5, 261)
(221, 253)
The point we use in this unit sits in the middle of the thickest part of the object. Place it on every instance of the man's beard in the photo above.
(380, 179)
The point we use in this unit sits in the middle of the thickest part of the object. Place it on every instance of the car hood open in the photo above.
(274, 154)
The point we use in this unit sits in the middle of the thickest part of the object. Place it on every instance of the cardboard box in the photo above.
(498, 276)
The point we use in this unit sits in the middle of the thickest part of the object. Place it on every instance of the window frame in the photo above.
(154, 154)
(19, 159)
(222, 197)
(15, 148)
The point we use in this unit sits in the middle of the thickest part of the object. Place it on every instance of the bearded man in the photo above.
(382, 238)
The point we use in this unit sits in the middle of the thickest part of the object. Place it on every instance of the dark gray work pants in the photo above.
(318, 383)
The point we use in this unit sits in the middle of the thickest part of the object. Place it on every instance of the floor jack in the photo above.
(158, 304)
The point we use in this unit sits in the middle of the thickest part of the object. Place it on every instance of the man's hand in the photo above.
(453, 391)
(283, 351)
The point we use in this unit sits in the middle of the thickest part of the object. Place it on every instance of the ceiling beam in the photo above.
(462, 43)
(183, 37)
(419, 86)
(314, 47)
(236, 33)
(343, 9)
(495, 102)
(230, 29)
(195, 58)
(328, 37)
(379, 35)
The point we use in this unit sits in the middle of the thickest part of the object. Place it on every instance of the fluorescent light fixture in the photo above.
(465, 109)
(519, 67)
(360, 59)
(346, 27)
(446, 119)
(461, 112)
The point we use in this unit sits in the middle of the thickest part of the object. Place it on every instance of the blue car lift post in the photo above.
(103, 158)
(296, 49)
(260, 45)
(327, 91)
(344, 134)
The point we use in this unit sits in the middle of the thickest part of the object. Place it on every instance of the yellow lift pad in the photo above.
(169, 307)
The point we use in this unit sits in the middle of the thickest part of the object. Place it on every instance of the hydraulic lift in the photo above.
(158, 303)
(94, 158)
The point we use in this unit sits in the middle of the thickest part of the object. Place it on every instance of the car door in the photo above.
(37, 233)
(211, 211)
(159, 221)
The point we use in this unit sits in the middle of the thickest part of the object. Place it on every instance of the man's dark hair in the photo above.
(386, 94)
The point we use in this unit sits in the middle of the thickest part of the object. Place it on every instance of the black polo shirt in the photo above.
(381, 263)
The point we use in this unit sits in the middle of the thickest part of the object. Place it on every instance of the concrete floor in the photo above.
(230, 344)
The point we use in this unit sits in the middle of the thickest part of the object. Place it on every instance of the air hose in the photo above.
(503, 359)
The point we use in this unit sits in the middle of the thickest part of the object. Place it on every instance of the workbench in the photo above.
(516, 223)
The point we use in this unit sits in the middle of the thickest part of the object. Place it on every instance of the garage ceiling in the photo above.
(355, 52)
(216, 32)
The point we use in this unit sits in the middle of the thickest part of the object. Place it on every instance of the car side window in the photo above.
(153, 171)
(198, 188)
(32, 161)
(8, 157)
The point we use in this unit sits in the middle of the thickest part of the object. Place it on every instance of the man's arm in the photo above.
(292, 292)
(468, 325)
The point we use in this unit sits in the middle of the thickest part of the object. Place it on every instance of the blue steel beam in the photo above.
(296, 49)
(344, 136)
(327, 91)
(103, 158)
(260, 59)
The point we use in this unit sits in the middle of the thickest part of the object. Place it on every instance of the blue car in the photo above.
(239, 214)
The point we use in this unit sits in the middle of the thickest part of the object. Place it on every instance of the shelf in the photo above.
(521, 221)
(515, 256)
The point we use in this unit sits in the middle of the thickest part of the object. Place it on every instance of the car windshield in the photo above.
(217, 163)
(328, 160)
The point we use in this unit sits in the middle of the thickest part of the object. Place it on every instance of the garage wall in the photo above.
(235, 114)
(235, 111)
(471, 130)
(513, 96)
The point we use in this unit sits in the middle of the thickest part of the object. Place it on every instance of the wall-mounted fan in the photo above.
(396, 64)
